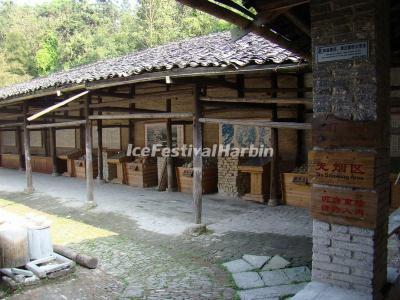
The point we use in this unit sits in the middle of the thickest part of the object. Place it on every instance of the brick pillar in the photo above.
(351, 113)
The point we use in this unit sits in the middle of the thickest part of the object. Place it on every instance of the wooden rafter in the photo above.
(234, 18)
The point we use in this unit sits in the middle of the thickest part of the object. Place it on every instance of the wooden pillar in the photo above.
(274, 180)
(18, 142)
(45, 142)
(197, 158)
(100, 162)
(28, 159)
(82, 138)
(89, 156)
(131, 133)
(53, 151)
(170, 161)
(300, 119)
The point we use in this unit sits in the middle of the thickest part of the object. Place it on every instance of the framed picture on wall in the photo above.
(156, 133)
(244, 135)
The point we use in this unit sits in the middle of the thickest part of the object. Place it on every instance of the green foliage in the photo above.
(36, 40)
(47, 55)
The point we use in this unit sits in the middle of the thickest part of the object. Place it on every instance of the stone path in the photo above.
(141, 259)
(265, 277)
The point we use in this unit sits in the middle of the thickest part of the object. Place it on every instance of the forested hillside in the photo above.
(36, 40)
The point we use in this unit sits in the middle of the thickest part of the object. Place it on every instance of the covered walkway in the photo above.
(162, 212)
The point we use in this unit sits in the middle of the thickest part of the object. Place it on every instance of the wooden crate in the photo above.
(80, 168)
(141, 175)
(185, 180)
(10, 161)
(395, 193)
(42, 164)
(296, 191)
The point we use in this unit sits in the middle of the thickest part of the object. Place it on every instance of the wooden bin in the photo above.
(10, 161)
(141, 175)
(395, 193)
(296, 191)
(80, 168)
(185, 180)
(42, 164)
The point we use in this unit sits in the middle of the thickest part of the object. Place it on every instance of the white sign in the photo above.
(342, 51)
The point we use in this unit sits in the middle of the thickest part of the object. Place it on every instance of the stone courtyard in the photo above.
(138, 237)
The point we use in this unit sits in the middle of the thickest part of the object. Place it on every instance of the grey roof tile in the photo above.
(215, 50)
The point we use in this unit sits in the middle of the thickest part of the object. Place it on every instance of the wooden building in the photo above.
(80, 122)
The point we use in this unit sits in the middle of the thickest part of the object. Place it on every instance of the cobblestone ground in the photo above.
(140, 264)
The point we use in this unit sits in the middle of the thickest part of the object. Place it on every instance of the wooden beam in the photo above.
(12, 125)
(278, 4)
(28, 159)
(243, 22)
(58, 105)
(112, 95)
(298, 23)
(89, 155)
(257, 122)
(197, 158)
(183, 115)
(57, 125)
(278, 90)
(237, 105)
(287, 101)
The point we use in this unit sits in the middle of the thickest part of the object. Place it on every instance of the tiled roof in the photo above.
(215, 50)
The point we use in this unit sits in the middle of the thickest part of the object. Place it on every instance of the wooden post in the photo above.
(28, 159)
(197, 158)
(18, 142)
(89, 156)
(45, 142)
(53, 151)
(100, 162)
(300, 119)
(82, 139)
(170, 161)
(274, 180)
(131, 129)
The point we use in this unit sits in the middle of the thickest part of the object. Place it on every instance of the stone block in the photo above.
(276, 262)
(248, 280)
(319, 290)
(340, 228)
(282, 291)
(237, 266)
(276, 277)
(298, 274)
(257, 261)
(331, 267)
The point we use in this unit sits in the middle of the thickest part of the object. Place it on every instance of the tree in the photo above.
(36, 40)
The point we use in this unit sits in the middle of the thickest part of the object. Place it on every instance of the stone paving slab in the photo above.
(274, 278)
(298, 274)
(276, 262)
(237, 266)
(271, 292)
(257, 261)
(248, 280)
(318, 291)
